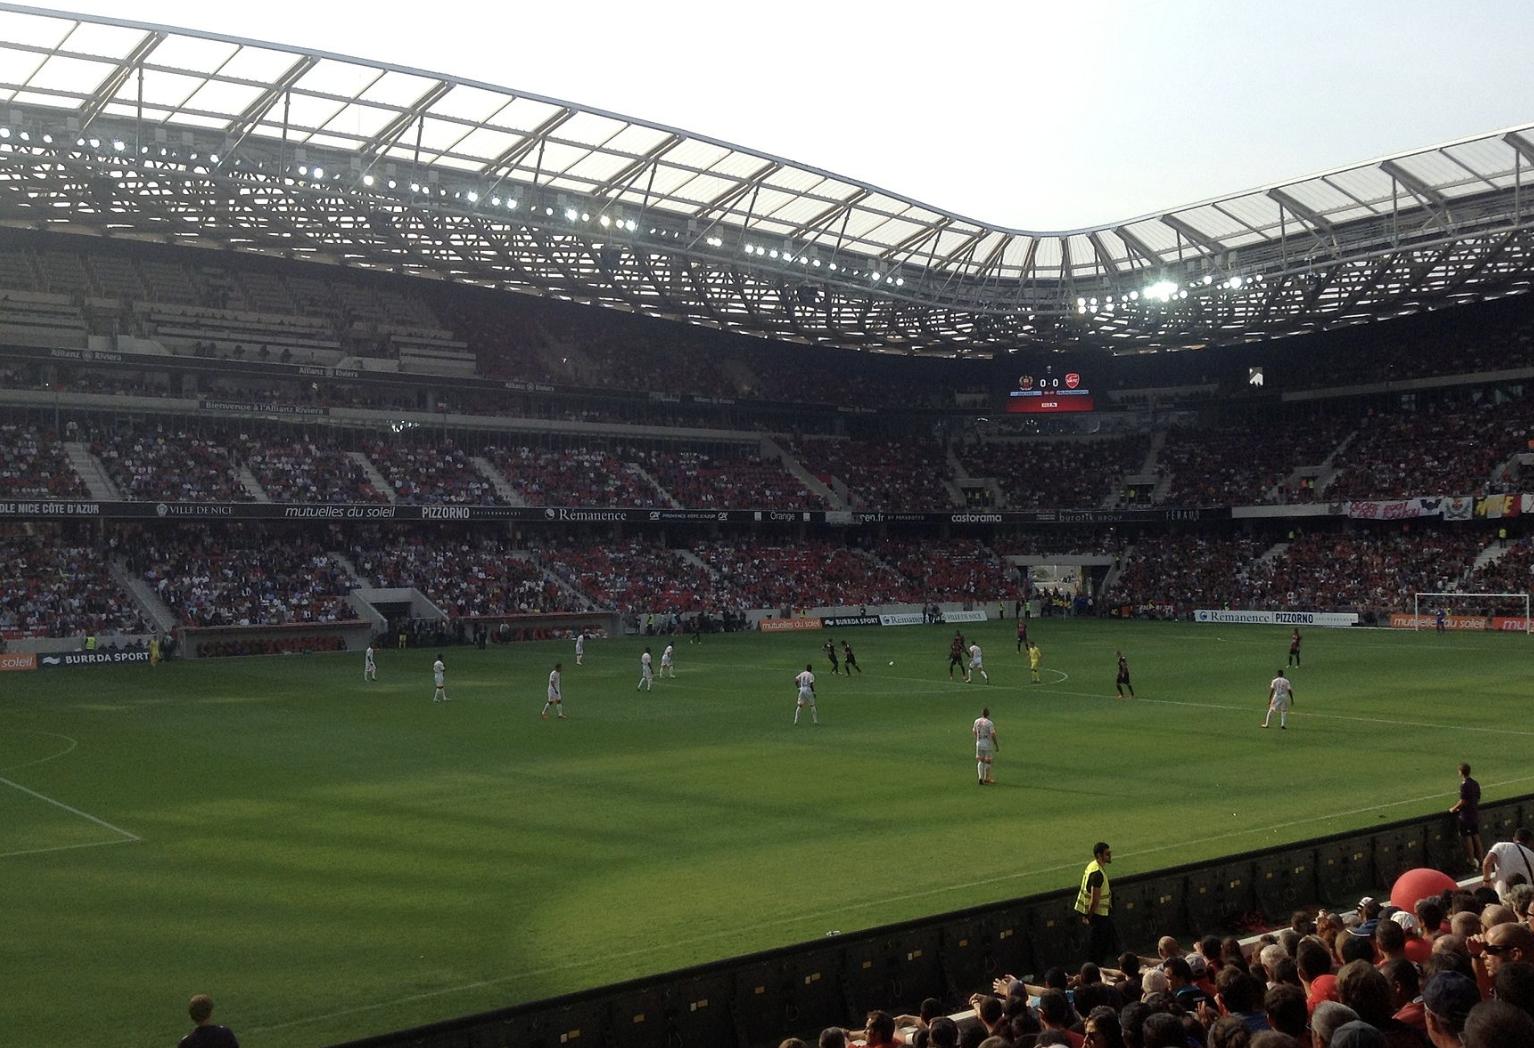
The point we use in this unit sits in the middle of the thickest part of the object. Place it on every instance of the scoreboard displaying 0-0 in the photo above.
(1049, 393)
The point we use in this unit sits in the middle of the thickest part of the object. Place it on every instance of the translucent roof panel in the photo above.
(197, 80)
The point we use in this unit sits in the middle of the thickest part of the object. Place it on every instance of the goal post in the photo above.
(1506, 612)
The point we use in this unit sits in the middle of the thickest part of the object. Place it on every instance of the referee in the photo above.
(1095, 904)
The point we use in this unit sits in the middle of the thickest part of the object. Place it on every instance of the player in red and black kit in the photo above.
(850, 659)
(1022, 635)
(956, 654)
(830, 647)
(1294, 647)
(1123, 678)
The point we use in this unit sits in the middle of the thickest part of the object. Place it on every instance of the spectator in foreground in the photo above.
(1448, 998)
(208, 1034)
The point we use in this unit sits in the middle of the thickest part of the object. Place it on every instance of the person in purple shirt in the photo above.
(1467, 812)
(208, 1033)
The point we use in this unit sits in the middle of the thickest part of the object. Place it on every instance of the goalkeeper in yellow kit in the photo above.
(1035, 659)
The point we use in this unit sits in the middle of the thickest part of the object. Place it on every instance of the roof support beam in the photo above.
(1144, 249)
(246, 122)
(1418, 188)
(395, 129)
(735, 192)
(830, 214)
(637, 167)
(1310, 215)
(1522, 145)
(112, 84)
(508, 160)
(1202, 239)
(1101, 250)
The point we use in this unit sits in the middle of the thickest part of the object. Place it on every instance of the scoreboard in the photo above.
(1050, 393)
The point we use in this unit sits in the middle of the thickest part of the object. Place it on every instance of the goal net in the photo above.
(1502, 612)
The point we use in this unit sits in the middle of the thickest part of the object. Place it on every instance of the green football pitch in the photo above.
(330, 858)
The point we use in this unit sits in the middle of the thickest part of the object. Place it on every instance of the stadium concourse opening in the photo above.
(264, 491)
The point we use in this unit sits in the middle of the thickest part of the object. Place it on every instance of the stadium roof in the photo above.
(389, 166)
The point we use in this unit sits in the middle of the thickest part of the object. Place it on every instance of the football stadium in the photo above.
(482, 571)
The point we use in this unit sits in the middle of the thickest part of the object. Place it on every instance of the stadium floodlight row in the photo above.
(128, 129)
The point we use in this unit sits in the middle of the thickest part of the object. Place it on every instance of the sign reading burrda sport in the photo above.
(836, 622)
(63, 660)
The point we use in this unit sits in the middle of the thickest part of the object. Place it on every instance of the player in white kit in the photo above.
(369, 667)
(554, 698)
(580, 647)
(975, 665)
(646, 673)
(806, 682)
(665, 662)
(1280, 698)
(439, 674)
(985, 746)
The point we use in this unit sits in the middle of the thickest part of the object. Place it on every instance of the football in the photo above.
(892, 662)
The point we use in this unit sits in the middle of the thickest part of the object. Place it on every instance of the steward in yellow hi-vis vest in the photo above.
(1094, 901)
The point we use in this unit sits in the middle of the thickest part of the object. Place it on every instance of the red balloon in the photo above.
(1419, 884)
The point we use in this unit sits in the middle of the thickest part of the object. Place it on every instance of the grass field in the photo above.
(330, 859)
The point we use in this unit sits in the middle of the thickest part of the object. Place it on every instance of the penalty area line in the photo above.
(72, 810)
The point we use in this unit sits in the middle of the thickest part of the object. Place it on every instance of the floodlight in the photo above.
(833, 266)
(571, 214)
(1235, 282)
(605, 221)
(367, 180)
(815, 262)
(900, 281)
(1208, 280)
(319, 172)
(303, 169)
(629, 225)
(5, 132)
(473, 197)
(585, 217)
(773, 252)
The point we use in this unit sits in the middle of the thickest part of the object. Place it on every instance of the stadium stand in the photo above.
(33, 465)
(158, 464)
(241, 576)
(728, 477)
(56, 583)
(463, 574)
(423, 472)
(901, 474)
(304, 471)
(574, 476)
(1054, 473)
(636, 577)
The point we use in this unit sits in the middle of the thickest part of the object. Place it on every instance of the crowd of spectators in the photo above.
(1366, 569)
(158, 464)
(1454, 971)
(60, 585)
(1037, 474)
(242, 576)
(728, 479)
(1171, 575)
(1449, 449)
(898, 474)
(574, 476)
(425, 472)
(306, 471)
(1512, 572)
(33, 464)
(952, 570)
(1245, 464)
(638, 577)
(462, 573)
(807, 574)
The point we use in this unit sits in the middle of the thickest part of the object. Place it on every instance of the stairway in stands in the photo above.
(497, 479)
(380, 485)
(96, 480)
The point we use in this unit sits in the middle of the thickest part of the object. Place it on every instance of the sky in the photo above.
(1041, 117)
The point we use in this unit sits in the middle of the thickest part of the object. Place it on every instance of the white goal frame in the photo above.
(1418, 598)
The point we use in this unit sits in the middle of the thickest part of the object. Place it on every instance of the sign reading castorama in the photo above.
(1277, 618)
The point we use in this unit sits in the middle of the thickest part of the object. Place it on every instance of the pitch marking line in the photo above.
(131, 837)
(823, 915)
(73, 745)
